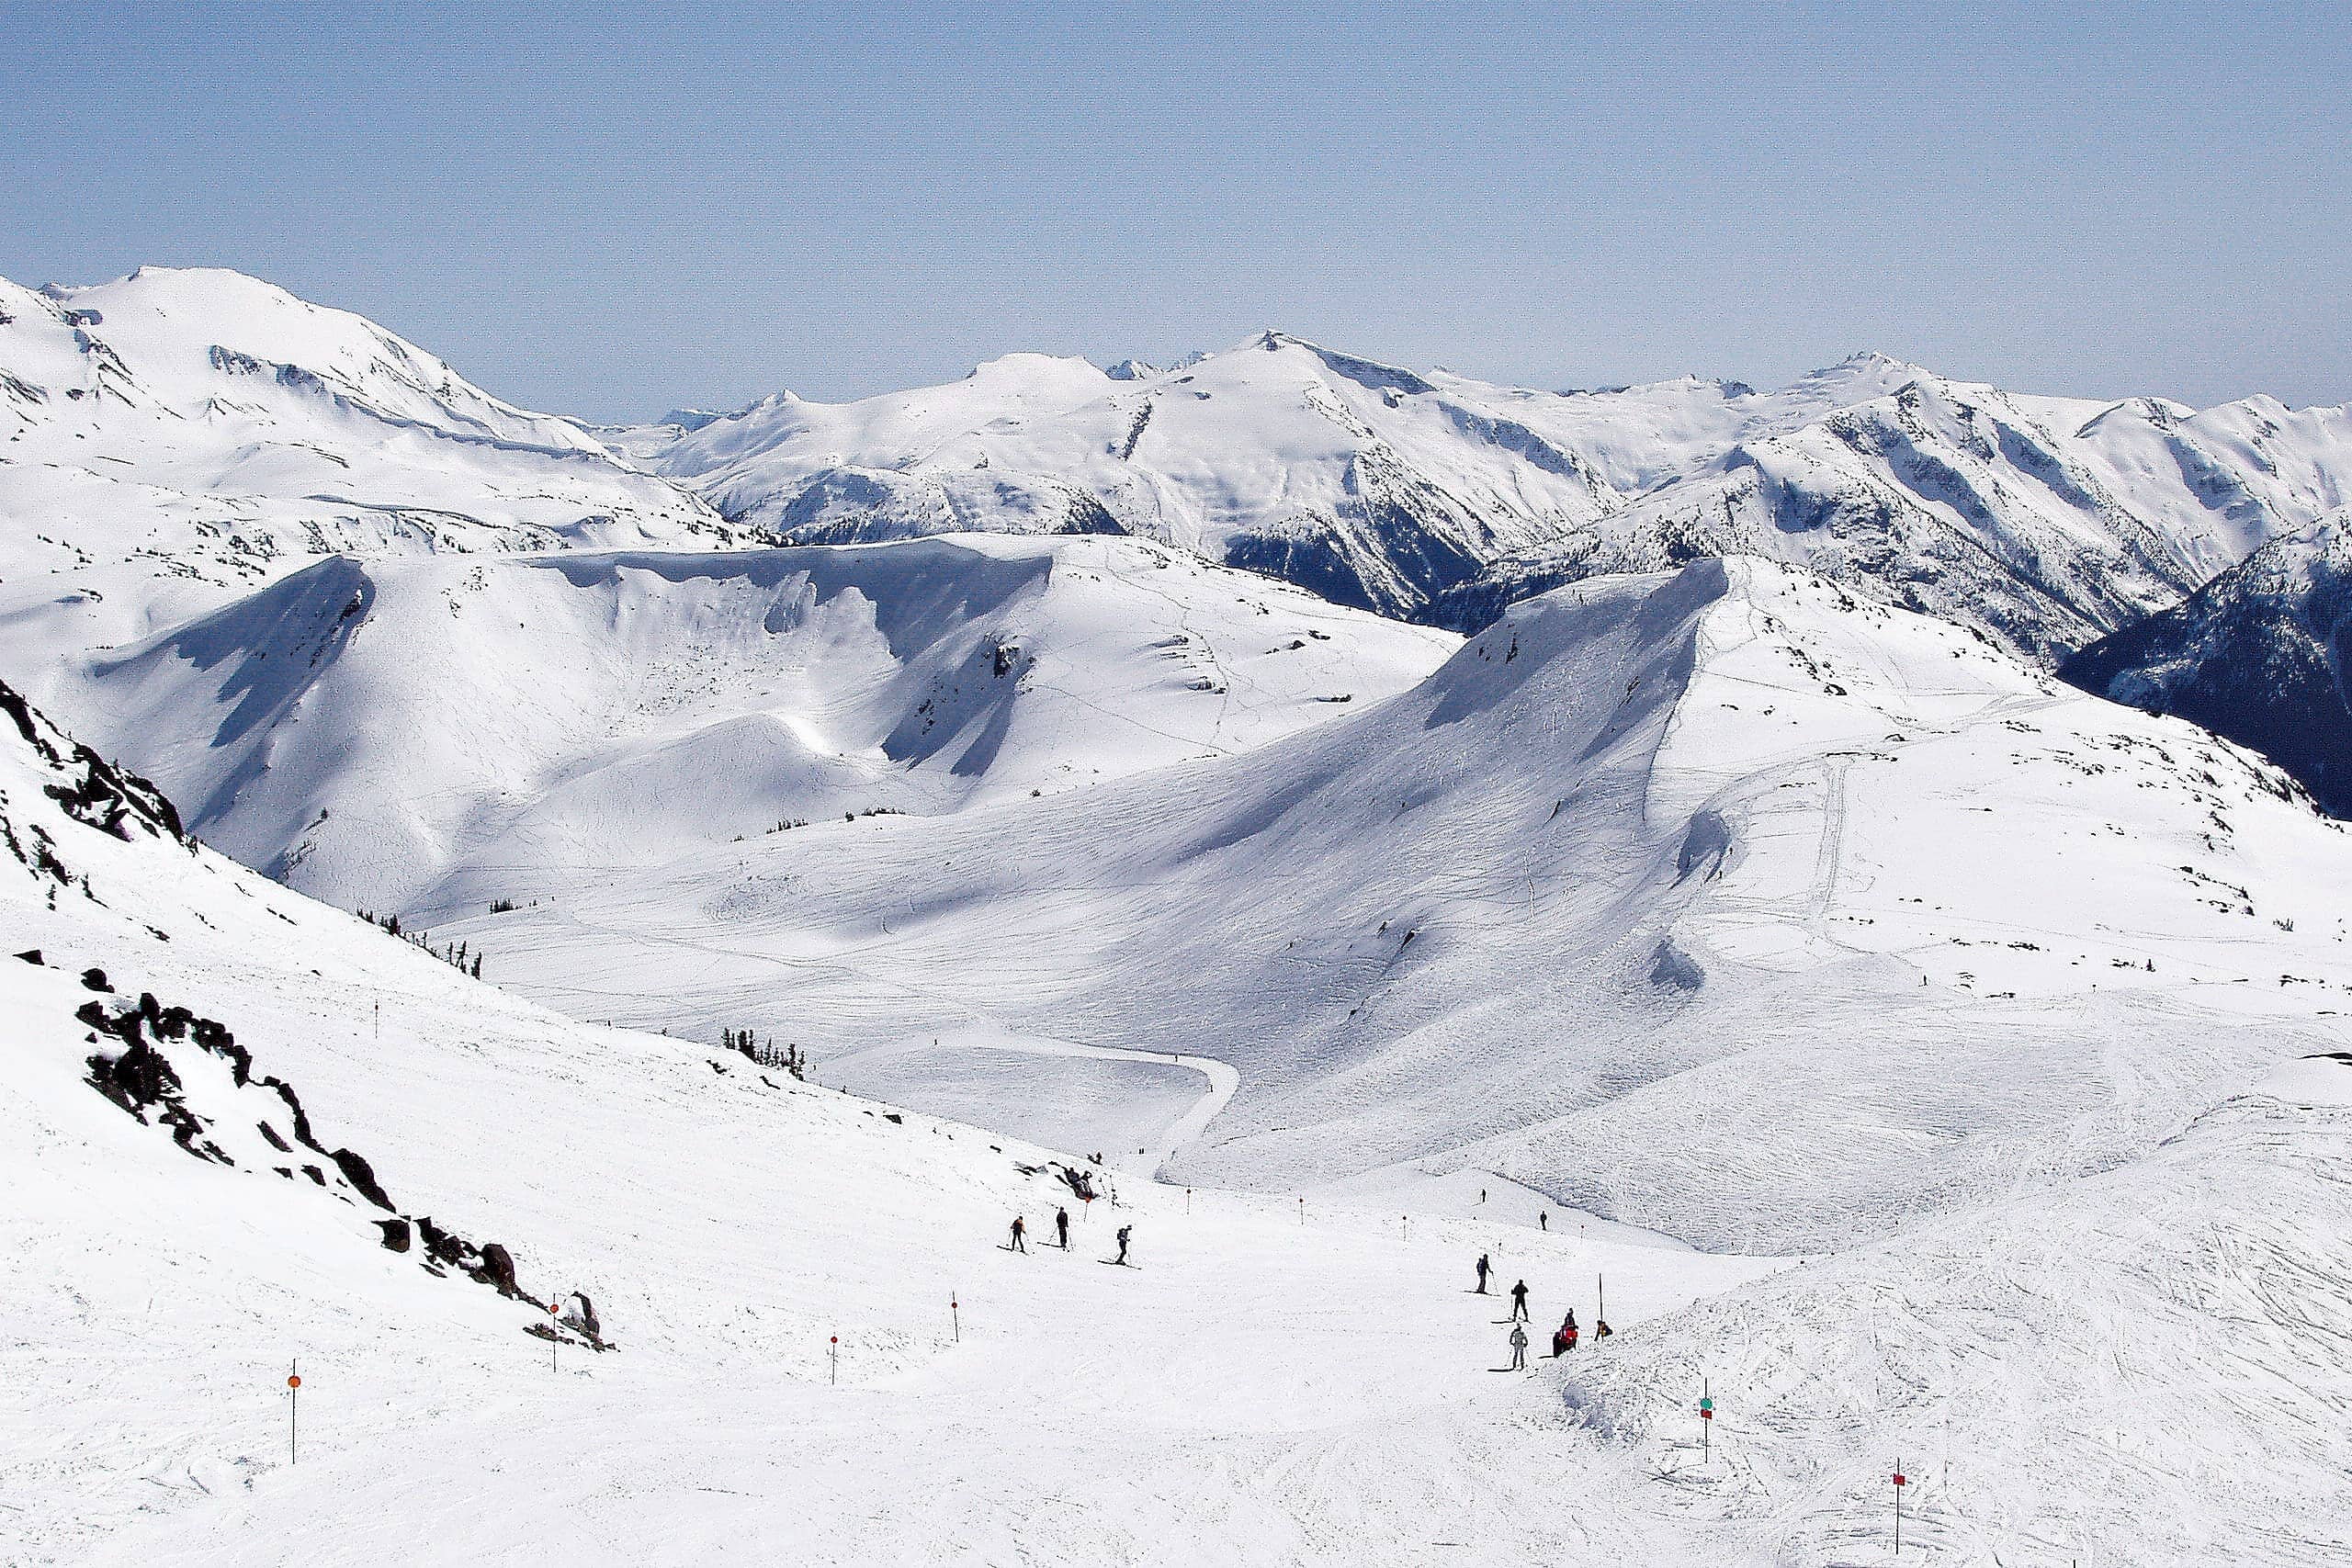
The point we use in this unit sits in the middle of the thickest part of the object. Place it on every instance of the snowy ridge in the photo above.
(330, 729)
(2258, 654)
(180, 434)
(2046, 520)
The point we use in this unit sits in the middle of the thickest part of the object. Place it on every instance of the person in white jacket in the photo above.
(1518, 1347)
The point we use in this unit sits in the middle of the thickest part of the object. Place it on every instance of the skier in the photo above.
(1559, 1341)
(1518, 1348)
(1544, 1219)
(1123, 1243)
(1519, 1301)
(1484, 1266)
(1061, 1224)
(1019, 1234)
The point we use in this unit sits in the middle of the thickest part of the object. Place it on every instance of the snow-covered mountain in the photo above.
(180, 434)
(2258, 654)
(2044, 521)
(242, 1134)
(1729, 854)
(366, 731)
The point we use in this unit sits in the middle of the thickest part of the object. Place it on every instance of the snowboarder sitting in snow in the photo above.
(1564, 1338)
(1601, 1330)
(1020, 1235)
(1061, 1224)
(1484, 1267)
(1123, 1243)
(1519, 1301)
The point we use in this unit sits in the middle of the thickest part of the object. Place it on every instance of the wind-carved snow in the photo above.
(433, 735)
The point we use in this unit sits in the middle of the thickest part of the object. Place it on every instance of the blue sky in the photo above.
(604, 212)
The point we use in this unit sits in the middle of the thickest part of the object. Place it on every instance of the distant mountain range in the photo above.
(180, 436)
(2259, 654)
(2045, 521)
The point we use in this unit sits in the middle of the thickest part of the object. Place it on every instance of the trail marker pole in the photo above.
(1301, 1211)
(956, 1318)
(1600, 1284)
(553, 1337)
(1901, 1481)
(1706, 1424)
(1405, 1225)
(833, 1353)
(293, 1411)
(1188, 1199)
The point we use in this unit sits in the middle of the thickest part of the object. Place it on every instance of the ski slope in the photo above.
(1729, 856)
(2141, 1365)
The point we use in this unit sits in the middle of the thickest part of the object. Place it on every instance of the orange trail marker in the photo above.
(293, 1402)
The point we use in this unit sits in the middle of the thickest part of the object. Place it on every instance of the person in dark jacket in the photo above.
(1019, 1234)
(1486, 1267)
(1519, 1301)
(1123, 1243)
(1061, 1226)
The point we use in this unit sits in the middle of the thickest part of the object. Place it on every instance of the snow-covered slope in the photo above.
(2258, 654)
(222, 1106)
(1723, 902)
(2046, 521)
(180, 433)
(368, 731)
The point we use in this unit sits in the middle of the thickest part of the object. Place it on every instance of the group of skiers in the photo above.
(1020, 1242)
(1564, 1338)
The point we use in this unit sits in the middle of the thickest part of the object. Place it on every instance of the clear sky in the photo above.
(613, 212)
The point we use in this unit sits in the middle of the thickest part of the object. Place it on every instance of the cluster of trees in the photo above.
(457, 955)
(790, 1058)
